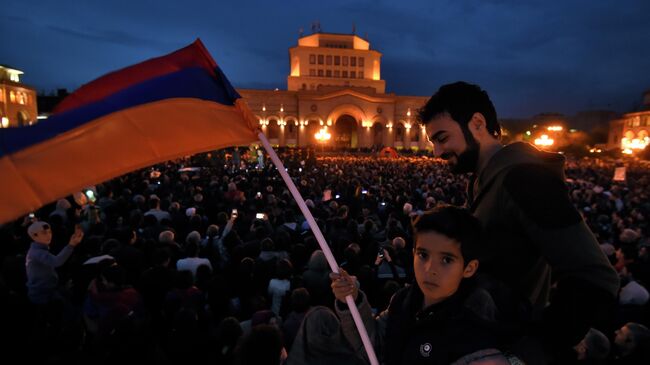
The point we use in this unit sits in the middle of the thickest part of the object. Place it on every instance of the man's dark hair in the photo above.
(456, 223)
(461, 100)
(300, 300)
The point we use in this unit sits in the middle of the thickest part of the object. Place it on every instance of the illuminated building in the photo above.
(335, 81)
(17, 100)
(631, 132)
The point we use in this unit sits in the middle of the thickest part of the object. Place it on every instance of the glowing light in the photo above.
(264, 122)
(263, 108)
(329, 122)
(389, 125)
(5, 122)
(408, 112)
(555, 128)
(407, 125)
(543, 140)
(323, 135)
(366, 123)
(41, 117)
(528, 133)
(281, 108)
(627, 151)
(635, 143)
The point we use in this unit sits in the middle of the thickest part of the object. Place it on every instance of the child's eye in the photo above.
(442, 139)
(422, 255)
(447, 260)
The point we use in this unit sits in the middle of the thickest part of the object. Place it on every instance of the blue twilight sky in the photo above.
(531, 56)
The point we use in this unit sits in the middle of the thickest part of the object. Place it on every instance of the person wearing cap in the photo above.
(41, 264)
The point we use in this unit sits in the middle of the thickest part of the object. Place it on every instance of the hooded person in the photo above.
(320, 341)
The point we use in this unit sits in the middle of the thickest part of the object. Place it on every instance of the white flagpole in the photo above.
(323, 245)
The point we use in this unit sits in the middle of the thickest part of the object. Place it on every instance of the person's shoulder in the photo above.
(541, 194)
(480, 302)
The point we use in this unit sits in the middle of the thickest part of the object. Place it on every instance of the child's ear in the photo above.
(470, 269)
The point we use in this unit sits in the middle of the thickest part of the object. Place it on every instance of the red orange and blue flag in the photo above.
(164, 108)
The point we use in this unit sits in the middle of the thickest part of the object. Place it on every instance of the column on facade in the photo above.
(389, 135)
(407, 137)
(282, 137)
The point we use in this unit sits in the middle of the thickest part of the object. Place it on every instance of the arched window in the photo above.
(272, 130)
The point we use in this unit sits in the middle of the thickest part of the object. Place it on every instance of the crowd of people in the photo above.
(210, 258)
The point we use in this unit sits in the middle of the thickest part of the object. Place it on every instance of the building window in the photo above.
(328, 60)
(353, 61)
(312, 72)
(304, 86)
(360, 74)
(312, 59)
(345, 74)
(321, 58)
(337, 73)
(320, 73)
(12, 96)
(353, 74)
(360, 61)
(337, 60)
(2, 96)
(636, 122)
(345, 60)
(21, 98)
(328, 73)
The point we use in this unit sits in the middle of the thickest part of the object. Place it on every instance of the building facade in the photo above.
(17, 101)
(335, 86)
(632, 131)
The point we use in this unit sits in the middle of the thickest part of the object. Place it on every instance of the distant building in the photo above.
(335, 85)
(632, 130)
(17, 100)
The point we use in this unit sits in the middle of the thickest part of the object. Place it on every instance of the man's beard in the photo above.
(467, 161)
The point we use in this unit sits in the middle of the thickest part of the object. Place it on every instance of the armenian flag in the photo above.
(161, 109)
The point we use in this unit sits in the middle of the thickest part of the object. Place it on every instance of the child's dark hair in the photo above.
(456, 223)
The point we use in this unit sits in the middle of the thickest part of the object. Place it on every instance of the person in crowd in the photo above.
(445, 315)
(192, 261)
(519, 195)
(631, 344)
(320, 340)
(280, 285)
(263, 346)
(41, 264)
(154, 209)
(593, 349)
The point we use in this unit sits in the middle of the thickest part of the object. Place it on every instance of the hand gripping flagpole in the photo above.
(323, 245)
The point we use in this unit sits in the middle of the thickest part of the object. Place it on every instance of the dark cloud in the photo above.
(113, 36)
(532, 56)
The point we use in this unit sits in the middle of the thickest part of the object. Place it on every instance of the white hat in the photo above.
(37, 227)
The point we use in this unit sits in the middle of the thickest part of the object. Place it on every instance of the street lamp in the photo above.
(322, 136)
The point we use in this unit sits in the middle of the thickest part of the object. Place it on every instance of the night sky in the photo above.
(531, 56)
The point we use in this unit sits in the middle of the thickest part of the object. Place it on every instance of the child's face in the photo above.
(439, 266)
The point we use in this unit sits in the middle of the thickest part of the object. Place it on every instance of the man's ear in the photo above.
(477, 122)
(470, 269)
